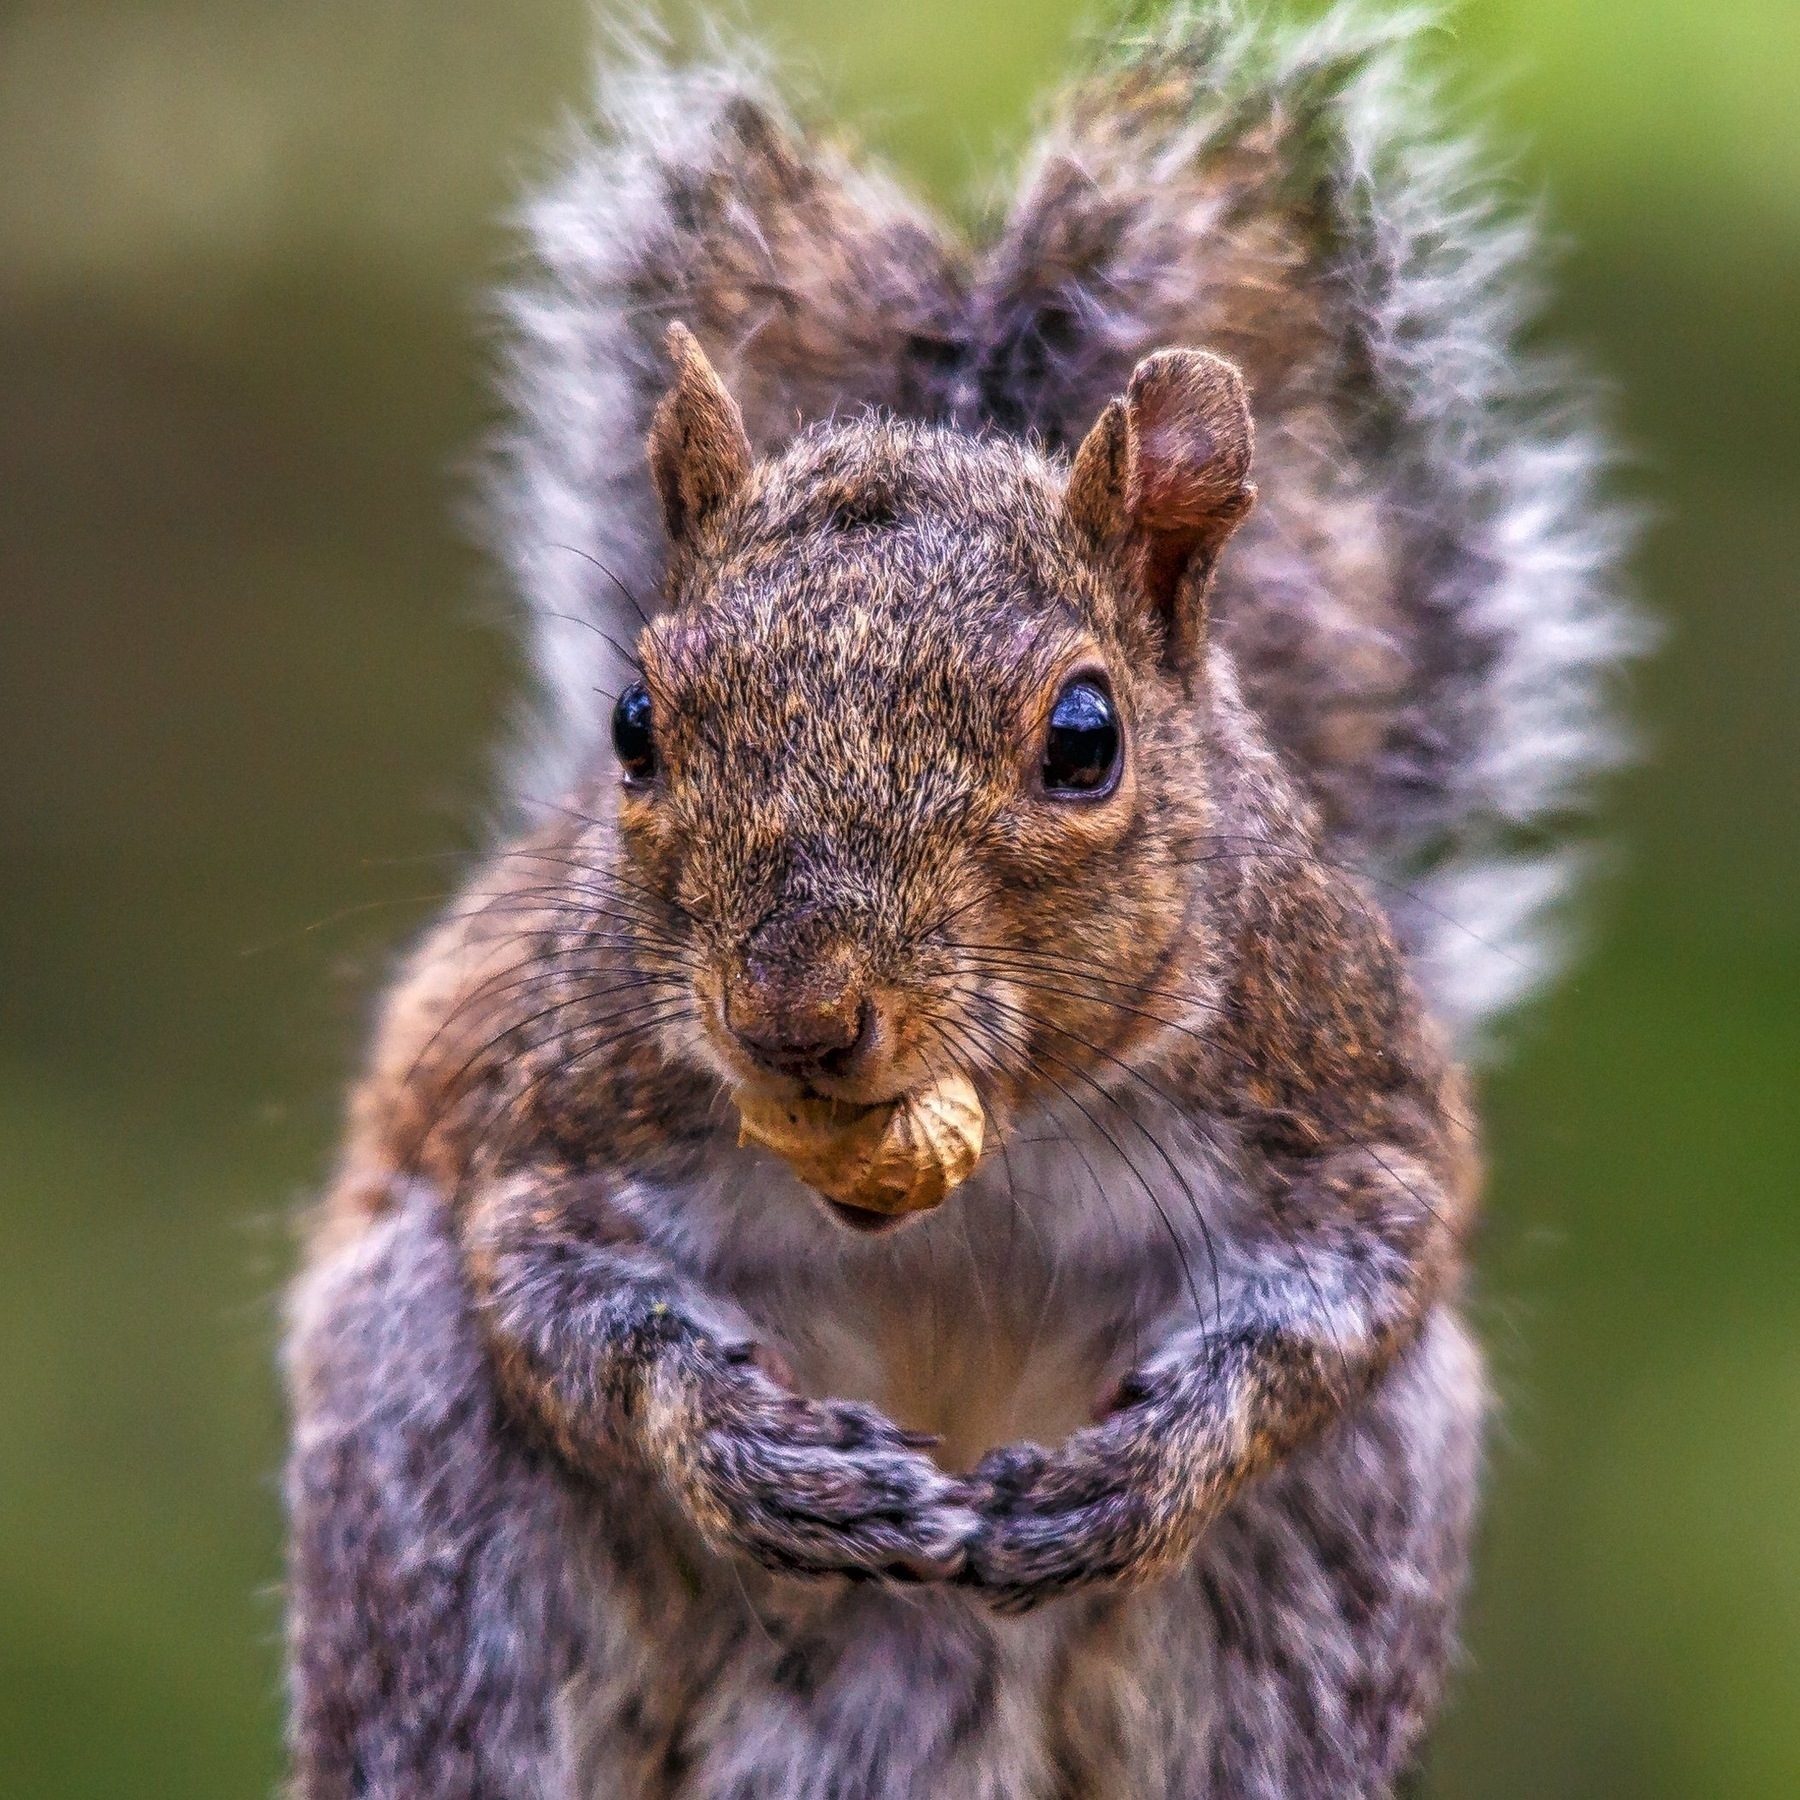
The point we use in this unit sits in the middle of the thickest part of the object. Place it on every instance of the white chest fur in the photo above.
(1007, 1313)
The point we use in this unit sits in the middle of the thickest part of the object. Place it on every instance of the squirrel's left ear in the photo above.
(699, 452)
(1163, 480)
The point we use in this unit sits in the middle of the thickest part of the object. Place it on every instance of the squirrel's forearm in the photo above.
(1352, 1261)
(1364, 1246)
(610, 1352)
(583, 1319)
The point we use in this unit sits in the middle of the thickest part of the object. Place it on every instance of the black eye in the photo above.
(1081, 751)
(632, 736)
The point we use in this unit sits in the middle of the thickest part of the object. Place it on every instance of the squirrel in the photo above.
(1126, 680)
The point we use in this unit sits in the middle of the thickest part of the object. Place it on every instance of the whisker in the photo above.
(1047, 962)
(285, 938)
(1149, 1137)
(961, 1026)
(1015, 978)
(1257, 847)
(454, 1086)
(998, 965)
(1130, 1163)
(630, 656)
(589, 557)
(529, 1091)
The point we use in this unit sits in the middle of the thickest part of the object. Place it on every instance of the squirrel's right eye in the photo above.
(1081, 748)
(632, 736)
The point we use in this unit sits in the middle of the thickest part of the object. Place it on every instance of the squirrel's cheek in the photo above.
(650, 833)
(1046, 839)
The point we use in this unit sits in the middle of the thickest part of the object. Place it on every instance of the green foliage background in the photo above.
(240, 242)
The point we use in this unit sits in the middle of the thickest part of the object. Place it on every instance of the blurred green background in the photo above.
(246, 672)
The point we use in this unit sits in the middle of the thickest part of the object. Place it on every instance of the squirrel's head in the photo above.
(915, 767)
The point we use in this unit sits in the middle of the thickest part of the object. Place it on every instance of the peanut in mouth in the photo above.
(902, 1156)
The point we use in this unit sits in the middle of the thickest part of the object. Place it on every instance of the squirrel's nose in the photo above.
(799, 1017)
(806, 1043)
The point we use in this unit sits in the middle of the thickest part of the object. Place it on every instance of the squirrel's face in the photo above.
(873, 745)
(913, 768)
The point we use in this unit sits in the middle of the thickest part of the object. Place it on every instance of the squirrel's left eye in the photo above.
(632, 736)
(1081, 748)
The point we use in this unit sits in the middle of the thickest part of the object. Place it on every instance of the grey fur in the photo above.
(436, 1620)
(482, 1626)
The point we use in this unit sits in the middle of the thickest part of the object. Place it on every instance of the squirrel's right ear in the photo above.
(699, 451)
(1164, 479)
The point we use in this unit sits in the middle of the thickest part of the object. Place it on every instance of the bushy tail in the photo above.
(1425, 605)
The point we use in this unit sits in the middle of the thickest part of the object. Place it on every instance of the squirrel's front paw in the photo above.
(810, 1487)
(1105, 1506)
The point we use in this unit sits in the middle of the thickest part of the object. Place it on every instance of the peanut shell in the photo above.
(900, 1157)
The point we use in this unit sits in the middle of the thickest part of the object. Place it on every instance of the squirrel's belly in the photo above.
(972, 1377)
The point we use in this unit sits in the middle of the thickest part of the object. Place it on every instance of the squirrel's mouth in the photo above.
(861, 1220)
